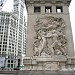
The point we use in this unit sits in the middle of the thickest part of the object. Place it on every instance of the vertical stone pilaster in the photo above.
(53, 9)
(65, 9)
(42, 9)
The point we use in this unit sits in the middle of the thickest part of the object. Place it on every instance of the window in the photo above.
(8, 61)
(48, 9)
(11, 61)
(5, 49)
(4, 42)
(11, 65)
(59, 9)
(37, 9)
(0, 42)
(8, 65)
(9, 46)
(0, 45)
(3, 54)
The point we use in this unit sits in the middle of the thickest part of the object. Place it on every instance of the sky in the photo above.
(9, 7)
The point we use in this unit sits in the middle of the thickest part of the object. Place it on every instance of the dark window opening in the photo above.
(37, 9)
(0, 45)
(11, 65)
(48, 9)
(11, 61)
(8, 66)
(59, 9)
(8, 61)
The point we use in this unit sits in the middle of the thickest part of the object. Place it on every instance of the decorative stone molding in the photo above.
(50, 39)
(48, 1)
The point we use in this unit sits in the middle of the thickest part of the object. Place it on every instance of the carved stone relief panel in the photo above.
(51, 66)
(50, 38)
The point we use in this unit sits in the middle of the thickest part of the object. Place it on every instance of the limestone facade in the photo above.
(49, 35)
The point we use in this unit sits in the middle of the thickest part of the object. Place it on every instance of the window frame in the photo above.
(49, 8)
(37, 9)
(59, 8)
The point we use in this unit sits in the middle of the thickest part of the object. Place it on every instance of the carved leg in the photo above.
(63, 51)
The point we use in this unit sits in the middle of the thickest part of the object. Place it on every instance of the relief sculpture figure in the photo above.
(50, 38)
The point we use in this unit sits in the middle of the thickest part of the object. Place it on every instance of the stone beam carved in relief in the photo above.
(50, 38)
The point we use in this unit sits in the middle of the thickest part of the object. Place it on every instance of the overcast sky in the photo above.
(9, 7)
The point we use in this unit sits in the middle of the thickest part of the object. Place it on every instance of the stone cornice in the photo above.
(48, 1)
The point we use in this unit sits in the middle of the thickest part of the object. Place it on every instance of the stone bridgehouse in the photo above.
(50, 48)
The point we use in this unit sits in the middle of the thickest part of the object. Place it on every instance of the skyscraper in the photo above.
(13, 35)
(8, 38)
(19, 9)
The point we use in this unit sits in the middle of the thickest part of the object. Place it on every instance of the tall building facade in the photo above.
(19, 9)
(49, 35)
(13, 35)
(8, 38)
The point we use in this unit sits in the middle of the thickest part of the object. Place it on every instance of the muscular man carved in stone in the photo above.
(51, 39)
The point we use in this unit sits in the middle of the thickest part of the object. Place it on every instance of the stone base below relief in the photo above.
(46, 63)
(42, 72)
